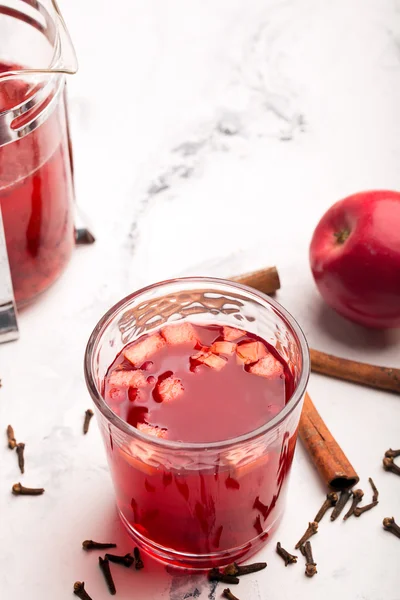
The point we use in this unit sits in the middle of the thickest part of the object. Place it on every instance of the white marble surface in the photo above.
(209, 139)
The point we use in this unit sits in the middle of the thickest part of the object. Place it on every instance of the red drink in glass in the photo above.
(194, 485)
(200, 388)
(36, 189)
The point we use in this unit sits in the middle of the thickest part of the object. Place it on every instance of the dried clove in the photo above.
(79, 590)
(236, 570)
(21, 459)
(357, 497)
(311, 566)
(88, 415)
(91, 545)
(392, 453)
(20, 490)
(216, 575)
(311, 530)
(362, 509)
(341, 503)
(12, 442)
(126, 560)
(389, 465)
(374, 490)
(331, 500)
(287, 557)
(105, 568)
(138, 559)
(231, 569)
(228, 594)
(390, 525)
(84, 236)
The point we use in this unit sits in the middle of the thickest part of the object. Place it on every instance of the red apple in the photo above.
(355, 258)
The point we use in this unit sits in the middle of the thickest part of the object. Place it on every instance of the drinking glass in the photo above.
(197, 505)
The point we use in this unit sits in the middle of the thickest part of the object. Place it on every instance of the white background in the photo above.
(310, 93)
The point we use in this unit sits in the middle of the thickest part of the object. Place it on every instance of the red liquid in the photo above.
(36, 197)
(226, 507)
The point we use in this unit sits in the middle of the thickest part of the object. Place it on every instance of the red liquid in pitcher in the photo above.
(200, 384)
(36, 196)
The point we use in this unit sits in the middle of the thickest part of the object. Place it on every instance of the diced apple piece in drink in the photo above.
(211, 360)
(116, 395)
(159, 432)
(179, 334)
(139, 352)
(170, 389)
(223, 347)
(250, 352)
(268, 367)
(128, 379)
(231, 334)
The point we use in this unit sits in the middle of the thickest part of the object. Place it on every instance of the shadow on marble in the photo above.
(351, 334)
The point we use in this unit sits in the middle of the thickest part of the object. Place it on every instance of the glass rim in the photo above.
(123, 426)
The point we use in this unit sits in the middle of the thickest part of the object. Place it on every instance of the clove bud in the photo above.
(105, 568)
(20, 490)
(287, 557)
(21, 459)
(126, 560)
(84, 236)
(88, 415)
(331, 500)
(390, 525)
(357, 497)
(362, 509)
(79, 590)
(216, 575)
(389, 465)
(236, 570)
(311, 566)
(311, 530)
(12, 442)
(375, 493)
(392, 453)
(138, 559)
(91, 545)
(228, 595)
(341, 503)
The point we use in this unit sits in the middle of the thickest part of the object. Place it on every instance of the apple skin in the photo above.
(355, 258)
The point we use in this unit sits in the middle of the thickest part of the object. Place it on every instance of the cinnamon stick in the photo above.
(265, 280)
(330, 460)
(326, 454)
(381, 378)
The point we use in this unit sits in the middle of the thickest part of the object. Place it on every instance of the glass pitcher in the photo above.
(36, 171)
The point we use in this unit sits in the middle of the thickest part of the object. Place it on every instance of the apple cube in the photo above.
(128, 379)
(179, 334)
(170, 389)
(211, 360)
(116, 395)
(268, 367)
(223, 348)
(231, 334)
(250, 352)
(159, 432)
(140, 351)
